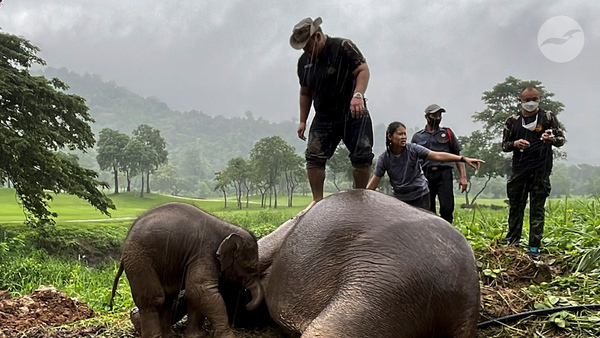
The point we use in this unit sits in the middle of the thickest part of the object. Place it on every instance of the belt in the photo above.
(438, 167)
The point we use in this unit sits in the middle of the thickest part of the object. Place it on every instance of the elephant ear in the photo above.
(227, 249)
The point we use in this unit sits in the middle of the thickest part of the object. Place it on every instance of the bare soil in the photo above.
(44, 307)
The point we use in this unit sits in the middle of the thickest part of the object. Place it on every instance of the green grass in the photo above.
(460, 199)
(128, 205)
(90, 284)
(59, 255)
(571, 237)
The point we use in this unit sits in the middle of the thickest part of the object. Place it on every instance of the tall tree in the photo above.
(295, 174)
(151, 138)
(129, 165)
(259, 179)
(222, 181)
(37, 119)
(268, 155)
(139, 158)
(237, 173)
(111, 145)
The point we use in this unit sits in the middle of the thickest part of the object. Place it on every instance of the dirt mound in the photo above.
(503, 290)
(506, 275)
(46, 306)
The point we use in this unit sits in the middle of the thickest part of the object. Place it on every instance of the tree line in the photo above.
(140, 154)
(273, 165)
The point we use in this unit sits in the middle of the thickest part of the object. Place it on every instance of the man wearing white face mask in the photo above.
(530, 136)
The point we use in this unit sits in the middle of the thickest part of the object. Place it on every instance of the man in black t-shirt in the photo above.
(530, 136)
(333, 76)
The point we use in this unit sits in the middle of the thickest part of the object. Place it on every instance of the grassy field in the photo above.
(570, 249)
(128, 205)
(60, 255)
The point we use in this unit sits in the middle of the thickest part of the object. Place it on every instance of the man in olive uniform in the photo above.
(530, 135)
(439, 174)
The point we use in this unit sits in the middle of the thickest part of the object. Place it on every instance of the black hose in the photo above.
(541, 312)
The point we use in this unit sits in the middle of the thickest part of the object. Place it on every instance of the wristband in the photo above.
(462, 159)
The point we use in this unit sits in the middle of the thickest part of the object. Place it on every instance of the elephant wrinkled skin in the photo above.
(176, 247)
(363, 264)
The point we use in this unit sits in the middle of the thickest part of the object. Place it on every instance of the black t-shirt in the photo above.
(329, 76)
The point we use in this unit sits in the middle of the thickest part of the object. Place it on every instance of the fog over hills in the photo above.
(224, 58)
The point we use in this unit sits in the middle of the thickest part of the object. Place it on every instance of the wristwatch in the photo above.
(358, 95)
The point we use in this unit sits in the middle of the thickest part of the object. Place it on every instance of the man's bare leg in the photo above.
(361, 176)
(316, 178)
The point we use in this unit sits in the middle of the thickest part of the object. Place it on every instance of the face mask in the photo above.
(530, 126)
(434, 122)
(530, 106)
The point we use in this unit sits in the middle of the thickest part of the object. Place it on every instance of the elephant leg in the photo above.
(466, 326)
(134, 316)
(194, 325)
(465, 331)
(166, 315)
(149, 296)
(150, 322)
(204, 299)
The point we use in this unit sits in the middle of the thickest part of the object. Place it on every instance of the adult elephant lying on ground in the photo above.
(364, 264)
(177, 247)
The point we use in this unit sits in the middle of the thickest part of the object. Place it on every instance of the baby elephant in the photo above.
(176, 247)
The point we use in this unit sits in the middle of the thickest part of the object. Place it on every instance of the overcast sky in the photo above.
(226, 57)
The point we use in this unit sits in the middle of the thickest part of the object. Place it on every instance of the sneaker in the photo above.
(534, 252)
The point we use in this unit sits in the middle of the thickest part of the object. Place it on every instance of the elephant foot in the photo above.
(197, 332)
(134, 316)
(223, 334)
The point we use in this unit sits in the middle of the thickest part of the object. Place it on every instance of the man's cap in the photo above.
(434, 108)
(303, 31)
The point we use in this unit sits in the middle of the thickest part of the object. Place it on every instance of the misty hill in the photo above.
(194, 139)
(198, 144)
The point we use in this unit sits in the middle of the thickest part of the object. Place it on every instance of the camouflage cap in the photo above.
(303, 31)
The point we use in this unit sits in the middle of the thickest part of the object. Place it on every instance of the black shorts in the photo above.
(325, 135)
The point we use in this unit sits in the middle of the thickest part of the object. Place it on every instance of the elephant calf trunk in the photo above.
(257, 293)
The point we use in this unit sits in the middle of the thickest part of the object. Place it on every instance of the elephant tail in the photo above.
(115, 284)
